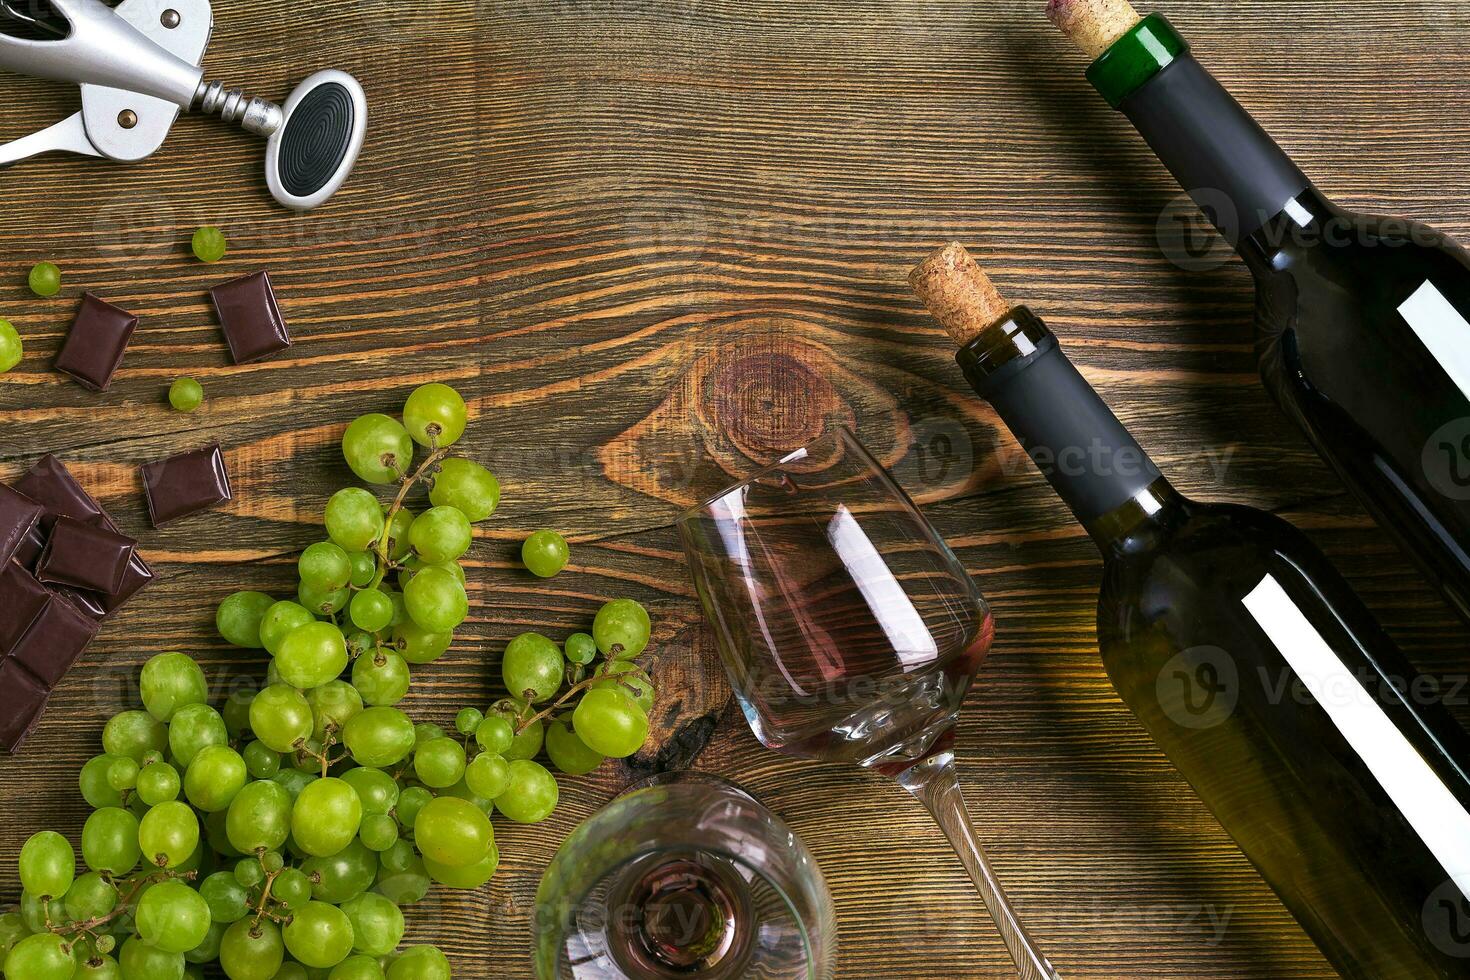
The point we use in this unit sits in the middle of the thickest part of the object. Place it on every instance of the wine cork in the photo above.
(1093, 25)
(959, 293)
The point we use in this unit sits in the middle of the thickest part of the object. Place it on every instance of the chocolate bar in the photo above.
(19, 516)
(55, 641)
(22, 701)
(185, 484)
(94, 347)
(85, 557)
(23, 599)
(250, 317)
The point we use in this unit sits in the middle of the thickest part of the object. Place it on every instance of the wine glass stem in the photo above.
(935, 783)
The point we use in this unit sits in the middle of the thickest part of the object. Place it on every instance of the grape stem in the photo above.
(431, 462)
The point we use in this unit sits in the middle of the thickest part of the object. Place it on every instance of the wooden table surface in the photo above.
(660, 241)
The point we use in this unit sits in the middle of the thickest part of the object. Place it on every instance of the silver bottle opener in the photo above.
(138, 65)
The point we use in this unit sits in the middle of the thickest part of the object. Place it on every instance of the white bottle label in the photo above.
(1443, 329)
(1430, 808)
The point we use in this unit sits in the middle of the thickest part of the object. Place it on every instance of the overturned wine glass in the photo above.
(851, 633)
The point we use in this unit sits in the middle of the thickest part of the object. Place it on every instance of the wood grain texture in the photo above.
(658, 242)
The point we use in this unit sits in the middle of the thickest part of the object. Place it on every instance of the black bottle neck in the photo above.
(1079, 445)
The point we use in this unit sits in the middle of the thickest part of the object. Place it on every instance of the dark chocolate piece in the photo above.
(31, 547)
(19, 516)
(22, 702)
(250, 317)
(22, 598)
(85, 557)
(94, 347)
(55, 641)
(185, 484)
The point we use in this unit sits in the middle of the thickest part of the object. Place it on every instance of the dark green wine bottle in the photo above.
(1363, 323)
(1251, 662)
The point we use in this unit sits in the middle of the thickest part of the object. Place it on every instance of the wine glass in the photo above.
(684, 876)
(850, 632)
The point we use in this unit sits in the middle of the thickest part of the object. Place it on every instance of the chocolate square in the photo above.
(19, 516)
(55, 641)
(94, 347)
(50, 484)
(22, 702)
(23, 598)
(185, 484)
(31, 547)
(85, 557)
(250, 317)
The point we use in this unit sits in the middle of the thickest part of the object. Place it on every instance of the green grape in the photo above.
(207, 951)
(568, 752)
(487, 776)
(123, 775)
(280, 717)
(185, 395)
(168, 834)
(251, 950)
(420, 963)
(462, 790)
(194, 727)
(110, 841)
(294, 781)
(418, 645)
(318, 935)
(357, 967)
(43, 956)
(92, 781)
(440, 534)
(153, 756)
(407, 886)
(280, 620)
(545, 553)
(325, 817)
(467, 720)
(261, 761)
(382, 678)
(354, 519)
(158, 783)
(138, 959)
(12, 348)
(333, 704)
(371, 610)
(533, 668)
(468, 878)
(292, 888)
(630, 679)
(467, 487)
(217, 834)
(132, 733)
(48, 865)
(37, 913)
(379, 832)
(378, 449)
(172, 916)
(259, 817)
(436, 600)
(91, 896)
(295, 971)
(236, 711)
(531, 795)
(526, 743)
(208, 244)
(271, 862)
(610, 722)
(228, 900)
(321, 602)
(377, 790)
(364, 568)
(400, 608)
(435, 415)
(412, 565)
(398, 527)
(399, 857)
(452, 832)
(12, 930)
(238, 618)
(425, 730)
(621, 629)
(214, 778)
(342, 876)
(249, 873)
(44, 279)
(439, 763)
(379, 737)
(410, 803)
(377, 924)
(580, 648)
(171, 681)
(495, 734)
(312, 655)
(325, 567)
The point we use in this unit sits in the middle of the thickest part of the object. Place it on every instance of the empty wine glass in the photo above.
(684, 876)
(850, 632)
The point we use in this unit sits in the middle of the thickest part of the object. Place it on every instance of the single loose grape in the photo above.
(382, 677)
(466, 486)
(280, 717)
(238, 618)
(333, 704)
(250, 950)
(186, 395)
(440, 534)
(208, 244)
(45, 279)
(378, 449)
(379, 737)
(452, 832)
(132, 733)
(371, 610)
(545, 553)
(326, 817)
(173, 917)
(487, 776)
(568, 752)
(531, 794)
(110, 841)
(580, 648)
(312, 655)
(439, 763)
(610, 722)
(318, 935)
(436, 600)
(354, 519)
(325, 567)
(420, 963)
(280, 620)
(168, 834)
(418, 645)
(194, 728)
(435, 415)
(533, 667)
(12, 349)
(621, 629)
(215, 776)
(259, 817)
(48, 865)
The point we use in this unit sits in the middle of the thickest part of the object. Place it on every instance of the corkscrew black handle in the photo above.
(317, 145)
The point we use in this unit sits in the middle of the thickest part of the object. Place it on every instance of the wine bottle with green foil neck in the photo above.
(1256, 669)
(1363, 323)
